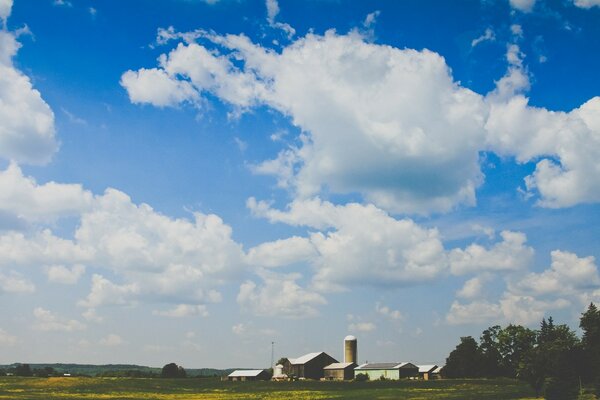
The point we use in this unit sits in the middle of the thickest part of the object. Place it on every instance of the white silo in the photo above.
(350, 346)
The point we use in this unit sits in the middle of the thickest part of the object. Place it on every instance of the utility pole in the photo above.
(272, 354)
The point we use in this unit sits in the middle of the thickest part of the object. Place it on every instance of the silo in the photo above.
(350, 346)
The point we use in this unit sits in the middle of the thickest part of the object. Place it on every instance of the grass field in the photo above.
(15, 388)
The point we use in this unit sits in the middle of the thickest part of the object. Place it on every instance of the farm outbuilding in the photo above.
(426, 371)
(249, 375)
(392, 371)
(339, 371)
(311, 365)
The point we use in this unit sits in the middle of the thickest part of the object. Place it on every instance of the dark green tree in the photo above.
(465, 360)
(491, 358)
(23, 370)
(173, 370)
(590, 325)
(514, 342)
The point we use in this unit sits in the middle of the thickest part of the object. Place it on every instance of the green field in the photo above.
(15, 388)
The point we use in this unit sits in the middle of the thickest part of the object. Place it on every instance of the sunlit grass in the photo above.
(15, 388)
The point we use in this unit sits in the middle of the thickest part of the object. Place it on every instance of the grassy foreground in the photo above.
(15, 388)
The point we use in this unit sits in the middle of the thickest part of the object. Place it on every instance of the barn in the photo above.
(392, 371)
(249, 375)
(426, 371)
(339, 371)
(311, 365)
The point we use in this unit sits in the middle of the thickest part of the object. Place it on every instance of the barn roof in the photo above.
(394, 365)
(304, 359)
(339, 365)
(427, 368)
(246, 373)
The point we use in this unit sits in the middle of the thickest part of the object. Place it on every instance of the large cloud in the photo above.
(357, 245)
(27, 131)
(388, 123)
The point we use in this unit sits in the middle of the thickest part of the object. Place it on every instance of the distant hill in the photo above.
(118, 369)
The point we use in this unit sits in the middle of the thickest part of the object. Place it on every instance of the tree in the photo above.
(23, 370)
(490, 354)
(514, 342)
(590, 325)
(172, 370)
(465, 360)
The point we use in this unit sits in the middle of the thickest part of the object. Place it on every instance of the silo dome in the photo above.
(349, 337)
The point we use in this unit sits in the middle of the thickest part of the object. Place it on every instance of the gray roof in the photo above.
(304, 359)
(427, 368)
(339, 365)
(246, 373)
(394, 365)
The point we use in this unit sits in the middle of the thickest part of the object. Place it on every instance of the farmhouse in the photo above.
(392, 371)
(249, 375)
(311, 365)
(426, 372)
(339, 371)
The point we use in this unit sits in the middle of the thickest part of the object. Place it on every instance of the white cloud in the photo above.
(24, 197)
(488, 35)
(184, 310)
(414, 150)
(239, 329)
(14, 282)
(567, 275)
(111, 340)
(156, 87)
(281, 252)
(516, 30)
(64, 275)
(279, 295)
(587, 3)
(91, 315)
(387, 312)
(7, 339)
(371, 18)
(362, 327)
(27, 132)
(473, 313)
(511, 254)
(5, 9)
(472, 288)
(365, 247)
(62, 3)
(272, 10)
(105, 292)
(525, 6)
(49, 321)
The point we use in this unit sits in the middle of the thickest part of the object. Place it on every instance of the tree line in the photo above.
(553, 359)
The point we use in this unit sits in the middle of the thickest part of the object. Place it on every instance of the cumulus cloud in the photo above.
(25, 198)
(281, 252)
(361, 244)
(105, 292)
(7, 339)
(412, 135)
(389, 313)
(27, 132)
(587, 3)
(511, 254)
(184, 310)
(156, 87)
(65, 275)
(279, 295)
(525, 6)
(488, 35)
(472, 288)
(13, 282)
(48, 321)
(111, 340)
(362, 327)
(529, 297)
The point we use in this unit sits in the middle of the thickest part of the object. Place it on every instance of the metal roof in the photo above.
(339, 365)
(349, 338)
(427, 368)
(247, 372)
(394, 365)
(304, 359)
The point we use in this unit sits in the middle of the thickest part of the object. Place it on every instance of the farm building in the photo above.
(249, 375)
(392, 371)
(426, 371)
(339, 371)
(311, 365)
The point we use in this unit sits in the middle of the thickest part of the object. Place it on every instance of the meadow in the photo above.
(15, 388)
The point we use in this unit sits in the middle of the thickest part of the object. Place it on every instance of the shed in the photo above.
(339, 371)
(426, 371)
(394, 371)
(248, 375)
(311, 365)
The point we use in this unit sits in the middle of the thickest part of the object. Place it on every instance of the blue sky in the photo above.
(189, 181)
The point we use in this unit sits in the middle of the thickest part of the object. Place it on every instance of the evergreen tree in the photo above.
(464, 361)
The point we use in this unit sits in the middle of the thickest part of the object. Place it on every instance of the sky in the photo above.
(189, 181)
